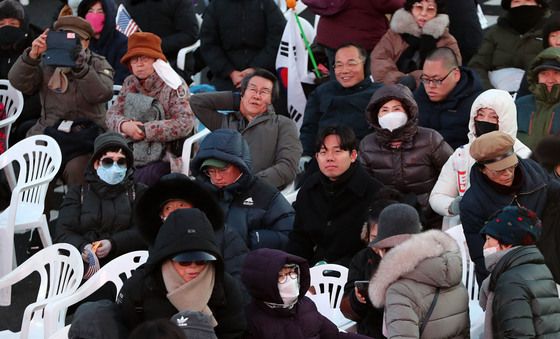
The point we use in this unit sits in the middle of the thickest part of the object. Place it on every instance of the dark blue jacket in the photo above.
(332, 104)
(451, 116)
(482, 200)
(257, 210)
(112, 44)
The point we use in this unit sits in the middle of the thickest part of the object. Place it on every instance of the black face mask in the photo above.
(483, 127)
(11, 37)
(523, 18)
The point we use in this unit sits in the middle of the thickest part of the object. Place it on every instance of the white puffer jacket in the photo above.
(447, 186)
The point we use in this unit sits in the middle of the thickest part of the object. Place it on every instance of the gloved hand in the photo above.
(103, 249)
(454, 207)
(86, 250)
(303, 162)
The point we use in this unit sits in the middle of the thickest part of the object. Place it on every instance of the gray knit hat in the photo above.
(112, 139)
(12, 9)
(396, 223)
(195, 325)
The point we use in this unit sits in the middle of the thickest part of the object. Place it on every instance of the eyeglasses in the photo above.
(212, 171)
(189, 263)
(419, 7)
(351, 64)
(283, 277)
(510, 169)
(260, 92)
(435, 82)
(108, 162)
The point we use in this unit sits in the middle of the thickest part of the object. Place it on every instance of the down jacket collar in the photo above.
(430, 258)
(403, 22)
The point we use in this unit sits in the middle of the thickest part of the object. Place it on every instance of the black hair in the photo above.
(85, 5)
(444, 54)
(116, 149)
(361, 51)
(441, 5)
(159, 328)
(348, 141)
(263, 73)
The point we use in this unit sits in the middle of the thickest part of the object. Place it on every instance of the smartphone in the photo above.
(362, 286)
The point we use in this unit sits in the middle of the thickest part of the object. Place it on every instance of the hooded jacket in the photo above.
(482, 200)
(538, 113)
(406, 282)
(392, 45)
(96, 211)
(447, 186)
(415, 165)
(450, 117)
(525, 303)
(504, 47)
(112, 44)
(143, 297)
(302, 321)
(10, 53)
(257, 211)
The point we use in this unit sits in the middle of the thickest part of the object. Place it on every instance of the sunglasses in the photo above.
(189, 263)
(108, 162)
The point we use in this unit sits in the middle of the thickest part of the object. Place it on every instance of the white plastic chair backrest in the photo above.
(187, 149)
(329, 278)
(117, 271)
(61, 333)
(469, 277)
(39, 159)
(61, 269)
(116, 91)
(12, 99)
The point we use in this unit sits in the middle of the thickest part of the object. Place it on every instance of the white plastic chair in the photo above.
(61, 334)
(476, 313)
(39, 160)
(12, 99)
(61, 269)
(116, 271)
(187, 150)
(116, 91)
(182, 54)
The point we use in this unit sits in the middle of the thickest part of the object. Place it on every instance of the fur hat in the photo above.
(396, 223)
(12, 9)
(494, 150)
(514, 225)
(546, 152)
(74, 24)
(143, 44)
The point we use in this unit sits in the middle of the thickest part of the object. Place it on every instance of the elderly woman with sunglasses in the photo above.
(97, 216)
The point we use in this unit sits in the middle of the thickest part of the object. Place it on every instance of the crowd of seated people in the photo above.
(401, 143)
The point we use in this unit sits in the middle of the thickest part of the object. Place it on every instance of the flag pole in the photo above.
(291, 6)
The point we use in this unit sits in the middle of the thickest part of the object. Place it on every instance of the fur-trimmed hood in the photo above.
(430, 258)
(403, 22)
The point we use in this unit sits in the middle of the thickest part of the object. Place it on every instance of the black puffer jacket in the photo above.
(255, 209)
(237, 34)
(526, 303)
(144, 296)
(414, 166)
(97, 211)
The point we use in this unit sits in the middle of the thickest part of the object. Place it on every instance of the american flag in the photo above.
(93, 264)
(125, 24)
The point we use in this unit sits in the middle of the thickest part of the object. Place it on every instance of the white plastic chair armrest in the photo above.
(182, 54)
(187, 148)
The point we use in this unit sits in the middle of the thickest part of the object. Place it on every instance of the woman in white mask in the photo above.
(97, 217)
(399, 153)
(277, 282)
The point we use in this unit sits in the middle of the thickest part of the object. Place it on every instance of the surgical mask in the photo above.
(393, 120)
(11, 36)
(112, 175)
(289, 290)
(167, 74)
(489, 251)
(96, 20)
(483, 127)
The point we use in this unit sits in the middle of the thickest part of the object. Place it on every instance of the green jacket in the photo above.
(503, 47)
(537, 113)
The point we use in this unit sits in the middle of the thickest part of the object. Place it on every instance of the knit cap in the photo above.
(514, 225)
(396, 223)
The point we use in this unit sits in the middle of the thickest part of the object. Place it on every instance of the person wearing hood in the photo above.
(493, 110)
(184, 271)
(415, 30)
(500, 178)
(278, 282)
(152, 108)
(100, 212)
(400, 154)
(445, 96)
(175, 191)
(256, 210)
(418, 280)
(106, 40)
(537, 113)
(520, 297)
(546, 154)
(509, 47)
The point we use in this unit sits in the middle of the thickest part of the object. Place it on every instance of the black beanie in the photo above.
(552, 24)
(112, 139)
(12, 9)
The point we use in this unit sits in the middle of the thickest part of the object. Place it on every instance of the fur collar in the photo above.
(407, 256)
(403, 22)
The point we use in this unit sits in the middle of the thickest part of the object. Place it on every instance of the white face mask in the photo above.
(489, 251)
(289, 290)
(167, 74)
(393, 120)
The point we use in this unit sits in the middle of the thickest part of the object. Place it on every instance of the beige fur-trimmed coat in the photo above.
(406, 281)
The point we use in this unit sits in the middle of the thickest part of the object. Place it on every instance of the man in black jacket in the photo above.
(332, 205)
